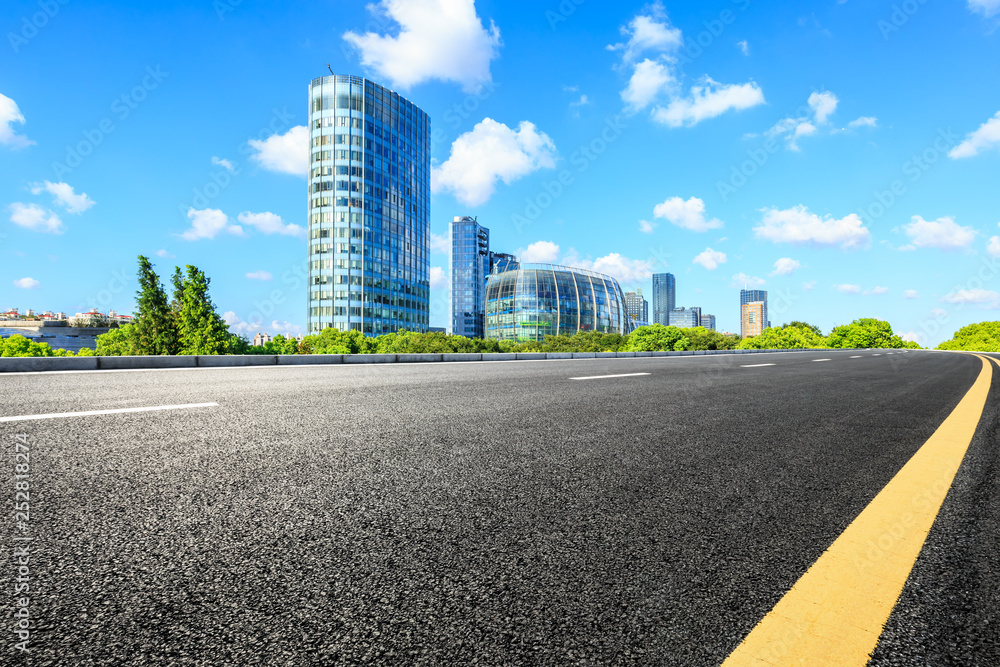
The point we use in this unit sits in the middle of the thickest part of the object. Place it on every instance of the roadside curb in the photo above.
(41, 364)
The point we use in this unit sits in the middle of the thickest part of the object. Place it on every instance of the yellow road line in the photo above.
(836, 611)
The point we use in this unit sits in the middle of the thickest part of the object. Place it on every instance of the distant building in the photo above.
(637, 307)
(685, 318)
(535, 300)
(751, 296)
(708, 321)
(472, 262)
(664, 297)
(753, 318)
(261, 339)
(437, 330)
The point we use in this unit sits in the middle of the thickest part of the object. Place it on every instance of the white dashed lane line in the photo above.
(118, 411)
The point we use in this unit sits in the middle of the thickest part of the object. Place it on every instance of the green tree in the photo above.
(789, 337)
(120, 342)
(804, 325)
(865, 333)
(656, 338)
(981, 337)
(202, 330)
(155, 329)
(19, 346)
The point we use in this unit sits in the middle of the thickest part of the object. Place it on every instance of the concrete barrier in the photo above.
(369, 358)
(467, 356)
(530, 356)
(310, 359)
(499, 356)
(558, 355)
(644, 354)
(30, 364)
(418, 358)
(624, 355)
(133, 363)
(584, 355)
(235, 360)
(606, 355)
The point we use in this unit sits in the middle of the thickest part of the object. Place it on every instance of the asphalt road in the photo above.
(482, 513)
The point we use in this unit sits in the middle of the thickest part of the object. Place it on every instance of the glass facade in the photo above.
(754, 296)
(472, 262)
(535, 300)
(369, 208)
(664, 297)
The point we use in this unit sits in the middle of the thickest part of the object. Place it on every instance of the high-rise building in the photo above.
(751, 296)
(470, 259)
(664, 297)
(708, 321)
(369, 208)
(472, 262)
(685, 318)
(637, 306)
(752, 319)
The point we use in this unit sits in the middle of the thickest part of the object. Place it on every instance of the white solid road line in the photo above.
(62, 415)
(815, 360)
(601, 377)
(754, 365)
(856, 357)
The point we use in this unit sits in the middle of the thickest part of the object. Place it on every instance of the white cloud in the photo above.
(270, 223)
(983, 139)
(708, 100)
(913, 337)
(260, 275)
(208, 223)
(785, 266)
(688, 214)
(286, 329)
(798, 225)
(877, 290)
(809, 285)
(236, 325)
(848, 288)
(911, 294)
(249, 329)
(710, 259)
(64, 196)
(648, 32)
(864, 121)
(441, 243)
(823, 105)
(624, 269)
(744, 47)
(286, 153)
(986, 7)
(742, 281)
(27, 283)
(582, 102)
(943, 233)
(436, 39)
(439, 278)
(993, 247)
(491, 152)
(10, 114)
(976, 297)
(35, 218)
(222, 162)
(647, 227)
(163, 252)
(648, 81)
(543, 252)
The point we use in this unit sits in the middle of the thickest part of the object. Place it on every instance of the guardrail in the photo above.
(36, 364)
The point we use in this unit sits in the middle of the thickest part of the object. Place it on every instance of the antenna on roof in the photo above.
(329, 68)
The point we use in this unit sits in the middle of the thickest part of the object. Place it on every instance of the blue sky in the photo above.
(842, 154)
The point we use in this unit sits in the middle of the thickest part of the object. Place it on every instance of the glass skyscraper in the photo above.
(369, 208)
(472, 262)
(664, 297)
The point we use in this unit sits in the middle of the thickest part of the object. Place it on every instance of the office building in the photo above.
(708, 321)
(752, 318)
(685, 318)
(369, 207)
(472, 262)
(534, 300)
(637, 307)
(751, 296)
(664, 297)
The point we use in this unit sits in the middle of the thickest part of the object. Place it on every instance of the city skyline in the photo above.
(831, 186)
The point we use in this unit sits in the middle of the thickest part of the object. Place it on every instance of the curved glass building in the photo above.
(369, 208)
(535, 300)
